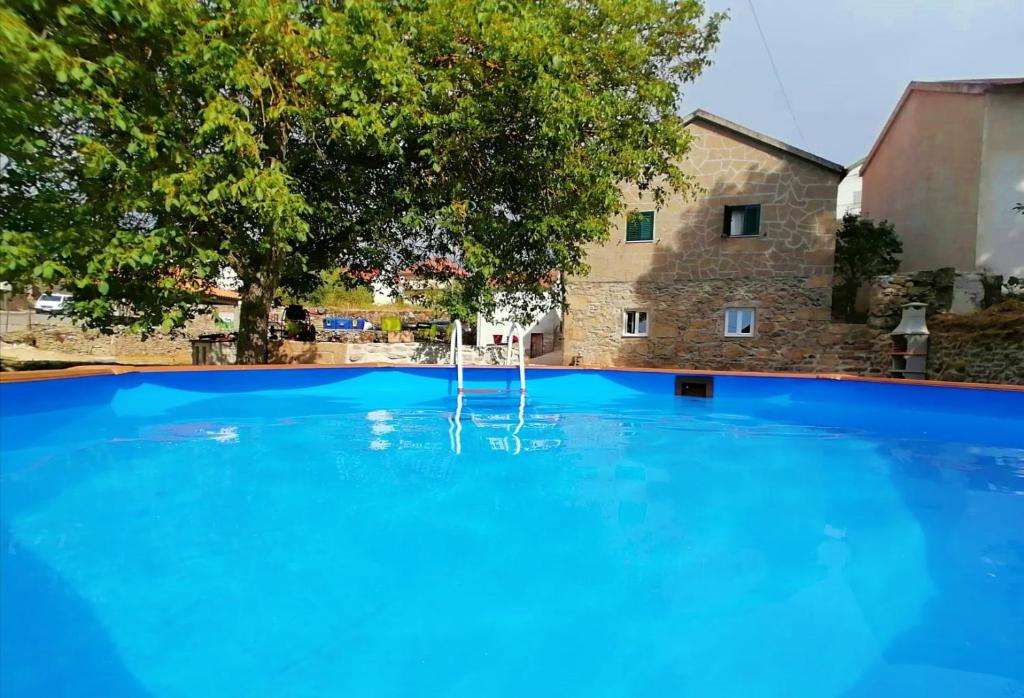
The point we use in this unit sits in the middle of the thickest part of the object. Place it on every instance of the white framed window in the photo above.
(739, 322)
(634, 323)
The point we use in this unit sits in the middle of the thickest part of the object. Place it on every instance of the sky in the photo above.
(845, 63)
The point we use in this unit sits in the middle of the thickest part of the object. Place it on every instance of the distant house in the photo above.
(413, 284)
(539, 334)
(848, 198)
(946, 171)
(738, 277)
(223, 303)
(416, 283)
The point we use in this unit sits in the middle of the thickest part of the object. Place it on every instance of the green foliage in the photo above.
(391, 323)
(221, 322)
(151, 144)
(332, 291)
(343, 297)
(863, 249)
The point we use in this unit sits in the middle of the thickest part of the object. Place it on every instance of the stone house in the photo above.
(946, 171)
(738, 277)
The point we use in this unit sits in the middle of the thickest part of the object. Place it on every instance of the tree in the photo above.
(864, 249)
(147, 145)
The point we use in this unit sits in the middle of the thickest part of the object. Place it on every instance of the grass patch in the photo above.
(1004, 319)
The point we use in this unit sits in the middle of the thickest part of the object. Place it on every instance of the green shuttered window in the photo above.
(640, 226)
(742, 221)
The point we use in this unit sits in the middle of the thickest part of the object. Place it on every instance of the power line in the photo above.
(778, 78)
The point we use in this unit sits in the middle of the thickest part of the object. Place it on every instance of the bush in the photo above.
(391, 323)
(864, 249)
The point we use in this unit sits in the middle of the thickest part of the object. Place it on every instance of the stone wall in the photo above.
(686, 327)
(409, 317)
(942, 289)
(688, 275)
(796, 235)
(59, 335)
(983, 347)
(292, 352)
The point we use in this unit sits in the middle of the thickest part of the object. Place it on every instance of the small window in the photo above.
(640, 226)
(741, 221)
(739, 322)
(634, 323)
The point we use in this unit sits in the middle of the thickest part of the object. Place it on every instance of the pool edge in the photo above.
(89, 371)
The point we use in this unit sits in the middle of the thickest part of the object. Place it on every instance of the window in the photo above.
(640, 226)
(634, 323)
(739, 322)
(741, 221)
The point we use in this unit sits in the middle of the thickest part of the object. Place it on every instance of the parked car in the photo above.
(52, 303)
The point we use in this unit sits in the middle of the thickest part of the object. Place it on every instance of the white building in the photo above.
(848, 197)
(539, 335)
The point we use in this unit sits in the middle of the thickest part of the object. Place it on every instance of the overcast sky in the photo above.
(845, 63)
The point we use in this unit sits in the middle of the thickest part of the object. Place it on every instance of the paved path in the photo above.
(12, 320)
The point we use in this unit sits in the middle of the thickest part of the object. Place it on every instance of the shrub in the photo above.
(863, 249)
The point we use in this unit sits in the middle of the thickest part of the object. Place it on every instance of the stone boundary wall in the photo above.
(975, 359)
(65, 337)
(408, 317)
(292, 352)
(944, 290)
(983, 347)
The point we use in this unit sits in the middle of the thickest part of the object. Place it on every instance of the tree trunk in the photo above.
(254, 321)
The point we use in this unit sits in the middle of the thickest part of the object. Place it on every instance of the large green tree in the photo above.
(148, 144)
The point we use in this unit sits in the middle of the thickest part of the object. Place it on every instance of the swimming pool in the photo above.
(334, 532)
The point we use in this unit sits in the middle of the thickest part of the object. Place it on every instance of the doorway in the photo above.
(536, 344)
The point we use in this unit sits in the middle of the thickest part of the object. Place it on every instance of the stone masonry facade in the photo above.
(691, 272)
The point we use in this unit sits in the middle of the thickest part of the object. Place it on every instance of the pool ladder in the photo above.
(456, 358)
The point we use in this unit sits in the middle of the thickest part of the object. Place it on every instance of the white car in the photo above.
(52, 302)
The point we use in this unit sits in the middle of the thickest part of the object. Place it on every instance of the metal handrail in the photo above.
(522, 356)
(456, 358)
(455, 350)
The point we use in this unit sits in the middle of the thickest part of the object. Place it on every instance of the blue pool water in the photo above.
(335, 533)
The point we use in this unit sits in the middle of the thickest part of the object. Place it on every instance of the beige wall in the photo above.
(924, 179)
(797, 218)
(690, 273)
(1000, 245)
